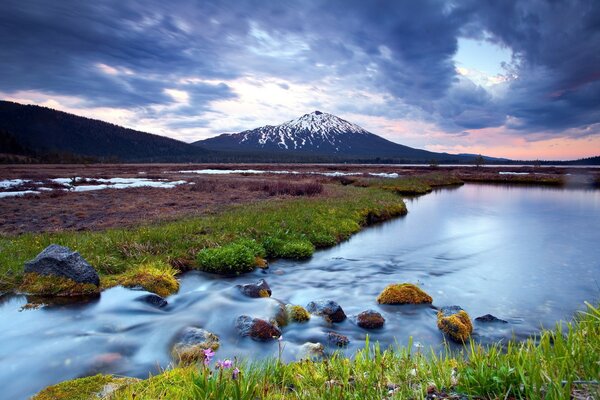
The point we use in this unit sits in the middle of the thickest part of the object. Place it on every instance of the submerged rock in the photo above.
(153, 300)
(297, 313)
(191, 344)
(280, 314)
(455, 323)
(328, 309)
(256, 329)
(403, 293)
(311, 350)
(490, 318)
(370, 319)
(258, 289)
(337, 340)
(61, 261)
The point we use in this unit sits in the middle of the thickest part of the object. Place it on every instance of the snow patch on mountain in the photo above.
(311, 130)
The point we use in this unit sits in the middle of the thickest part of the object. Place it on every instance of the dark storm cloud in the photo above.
(127, 53)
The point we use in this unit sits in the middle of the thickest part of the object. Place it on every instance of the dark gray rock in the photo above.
(258, 289)
(370, 319)
(61, 261)
(490, 318)
(154, 300)
(328, 309)
(256, 328)
(337, 340)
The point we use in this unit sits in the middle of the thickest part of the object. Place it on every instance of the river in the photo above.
(528, 255)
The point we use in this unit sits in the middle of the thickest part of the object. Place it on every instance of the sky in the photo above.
(517, 79)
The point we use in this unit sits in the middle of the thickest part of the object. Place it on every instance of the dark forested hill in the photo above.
(41, 130)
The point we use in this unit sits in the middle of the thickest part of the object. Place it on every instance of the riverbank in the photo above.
(559, 364)
(280, 228)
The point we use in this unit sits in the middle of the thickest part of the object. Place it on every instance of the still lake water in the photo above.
(528, 255)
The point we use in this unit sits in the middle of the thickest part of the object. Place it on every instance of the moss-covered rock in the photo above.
(403, 293)
(156, 277)
(51, 285)
(91, 387)
(298, 313)
(455, 323)
(191, 345)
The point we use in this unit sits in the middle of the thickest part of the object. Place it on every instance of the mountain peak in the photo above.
(317, 112)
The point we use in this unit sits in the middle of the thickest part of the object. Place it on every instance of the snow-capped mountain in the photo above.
(317, 133)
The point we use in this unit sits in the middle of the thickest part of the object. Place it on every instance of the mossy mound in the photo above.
(403, 293)
(52, 285)
(156, 277)
(298, 313)
(455, 323)
(233, 258)
(91, 387)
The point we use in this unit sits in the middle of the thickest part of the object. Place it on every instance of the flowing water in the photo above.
(527, 255)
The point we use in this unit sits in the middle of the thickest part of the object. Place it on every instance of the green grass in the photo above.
(290, 228)
(547, 367)
(414, 185)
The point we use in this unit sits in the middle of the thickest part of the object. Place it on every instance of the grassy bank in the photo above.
(233, 241)
(559, 364)
(413, 185)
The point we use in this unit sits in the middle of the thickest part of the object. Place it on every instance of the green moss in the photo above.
(46, 285)
(80, 389)
(403, 293)
(298, 313)
(156, 277)
(457, 327)
(233, 258)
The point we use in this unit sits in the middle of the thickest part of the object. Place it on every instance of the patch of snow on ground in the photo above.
(513, 173)
(8, 183)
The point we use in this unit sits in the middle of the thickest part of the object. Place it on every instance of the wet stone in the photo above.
(490, 318)
(328, 309)
(256, 290)
(153, 300)
(337, 339)
(256, 329)
(370, 319)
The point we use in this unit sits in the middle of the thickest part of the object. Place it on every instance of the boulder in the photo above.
(328, 309)
(191, 344)
(153, 300)
(297, 313)
(256, 329)
(455, 323)
(258, 289)
(370, 319)
(61, 261)
(403, 293)
(337, 340)
(490, 318)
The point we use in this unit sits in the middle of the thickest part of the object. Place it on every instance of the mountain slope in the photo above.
(44, 130)
(321, 134)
